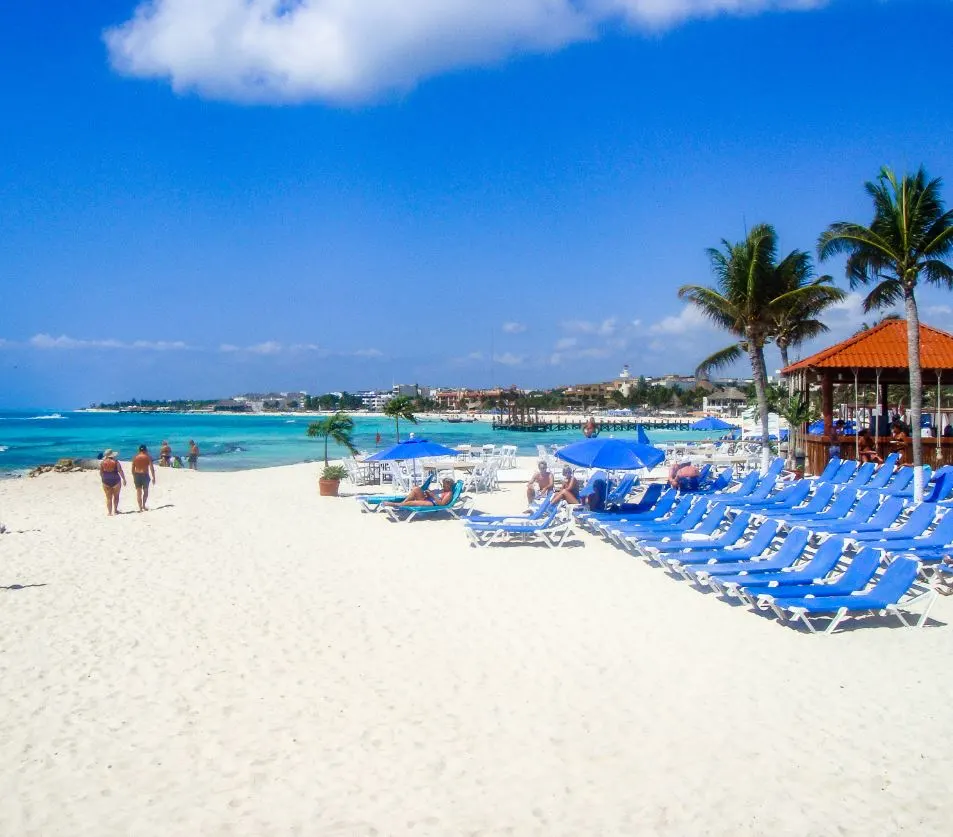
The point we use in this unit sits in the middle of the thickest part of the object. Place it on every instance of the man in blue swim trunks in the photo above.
(143, 472)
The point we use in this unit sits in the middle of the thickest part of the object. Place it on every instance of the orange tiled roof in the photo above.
(883, 347)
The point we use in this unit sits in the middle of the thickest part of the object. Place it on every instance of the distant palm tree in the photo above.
(909, 239)
(338, 426)
(751, 294)
(798, 321)
(865, 326)
(400, 407)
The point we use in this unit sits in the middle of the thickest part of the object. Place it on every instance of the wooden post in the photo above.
(827, 402)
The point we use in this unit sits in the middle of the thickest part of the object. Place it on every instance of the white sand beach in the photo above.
(251, 659)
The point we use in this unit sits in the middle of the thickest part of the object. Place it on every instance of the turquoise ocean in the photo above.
(233, 443)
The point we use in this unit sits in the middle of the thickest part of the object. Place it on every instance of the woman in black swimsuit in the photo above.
(113, 478)
(419, 497)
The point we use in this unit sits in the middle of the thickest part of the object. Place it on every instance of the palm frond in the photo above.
(888, 292)
(722, 358)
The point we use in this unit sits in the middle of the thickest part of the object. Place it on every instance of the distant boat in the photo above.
(459, 420)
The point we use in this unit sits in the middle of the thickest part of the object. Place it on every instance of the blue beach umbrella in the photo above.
(641, 436)
(611, 454)
(712, 423)
(411, 449)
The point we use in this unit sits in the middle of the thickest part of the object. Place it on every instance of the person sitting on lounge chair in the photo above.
(570, 490)
(684, 475)
(419, 497)
(543, 479)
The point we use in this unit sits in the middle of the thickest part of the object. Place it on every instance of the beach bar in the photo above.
(862, 369)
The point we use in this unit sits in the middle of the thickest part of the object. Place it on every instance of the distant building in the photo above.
(374, 400)
(729, 402)
(231, 405)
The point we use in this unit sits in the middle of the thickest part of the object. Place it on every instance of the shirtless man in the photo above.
(165, 454)
(193, 456)
(143, 471)
(542, 478)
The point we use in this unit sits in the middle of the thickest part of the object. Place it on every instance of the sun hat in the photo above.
(109, 453)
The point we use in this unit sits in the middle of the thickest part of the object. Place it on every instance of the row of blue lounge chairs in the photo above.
(844, 544)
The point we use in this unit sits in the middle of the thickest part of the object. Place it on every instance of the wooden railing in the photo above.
(817, 450)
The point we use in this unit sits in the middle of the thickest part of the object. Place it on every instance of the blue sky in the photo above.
(215, 201)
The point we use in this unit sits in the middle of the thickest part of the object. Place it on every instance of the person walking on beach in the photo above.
(193, 456)
(165, 455)
(113, 478)
(143, 471)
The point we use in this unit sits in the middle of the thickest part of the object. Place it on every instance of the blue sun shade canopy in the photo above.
(412, 449)
(612, 454)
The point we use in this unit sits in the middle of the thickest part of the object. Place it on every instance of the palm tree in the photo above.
(338, 426)
(798, 321)
(909, 239)
(797, 411)
(400, 407)
(751, 294)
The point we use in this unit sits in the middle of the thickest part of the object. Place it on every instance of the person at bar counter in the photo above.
(867, 448)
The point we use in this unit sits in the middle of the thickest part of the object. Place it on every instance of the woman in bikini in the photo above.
(419, 497)
(113, 478)
(570, 489)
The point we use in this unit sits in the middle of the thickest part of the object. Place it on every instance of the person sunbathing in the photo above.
(570, 489)
(542, 480)
(419, 497)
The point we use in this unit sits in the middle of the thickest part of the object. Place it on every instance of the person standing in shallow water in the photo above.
(193, 456)
(143, 472)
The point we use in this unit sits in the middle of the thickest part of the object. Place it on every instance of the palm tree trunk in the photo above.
(758, 371)
(916, 389)
(397, 428)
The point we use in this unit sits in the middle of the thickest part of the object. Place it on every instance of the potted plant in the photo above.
(338, 426)
(330, 480)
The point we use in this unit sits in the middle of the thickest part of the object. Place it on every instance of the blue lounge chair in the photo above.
(939, 539)
(837, 510)
(371, 502)
(787, 498)
(885, 515)
(894, 592)
(748, 583)
(902, 483)
(687, 509)
(458, 504)
(550, 530)
(862, 475)
(786, 555)
(823, 494)
(719, 483)
(917, 523)
(655, 550)
(830, 469)
(705, 526)
(618, 494)
(845, 472)
(739, 550)
(635, 511)
(857, 574)
(760, 492)
(884, 473)
(541, 509)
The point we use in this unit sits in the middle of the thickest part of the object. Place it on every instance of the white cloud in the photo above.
(514, 328)
(938, 310)
(47, 341)
(690, 319)
(509, 359)
(345, 50)
(269, 347)
(566, 343)
(606, 328)
(370, 353)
